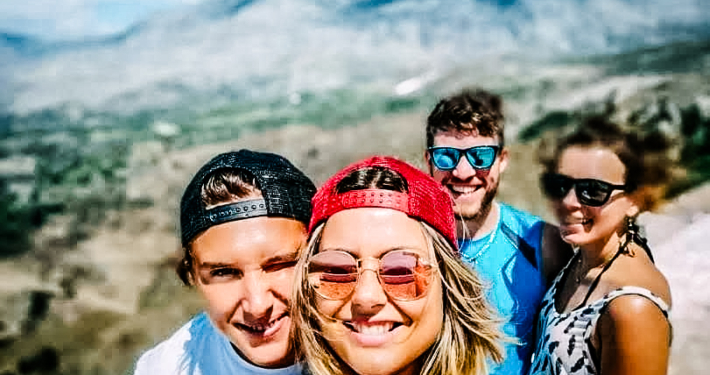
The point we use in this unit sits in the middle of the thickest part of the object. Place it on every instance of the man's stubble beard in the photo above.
(480, 216)
(486, 204)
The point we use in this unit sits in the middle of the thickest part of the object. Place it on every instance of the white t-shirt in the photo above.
(198, 348)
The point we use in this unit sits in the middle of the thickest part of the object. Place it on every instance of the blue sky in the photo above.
(68, 19)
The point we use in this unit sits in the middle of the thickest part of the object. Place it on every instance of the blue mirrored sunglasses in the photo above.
(447, 158)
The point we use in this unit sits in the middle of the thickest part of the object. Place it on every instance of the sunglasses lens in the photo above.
(481, 157)
(589, 192)
(445, 158)
(333, 274)
(593, 193)
(555, 185)
(404, 276)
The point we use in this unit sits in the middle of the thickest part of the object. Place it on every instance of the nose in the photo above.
(570, 200)
(464, 170)
(368, 297)
(257, 300)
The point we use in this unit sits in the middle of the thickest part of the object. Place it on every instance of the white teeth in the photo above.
(261, 327)
(463, 189)
(373, 330)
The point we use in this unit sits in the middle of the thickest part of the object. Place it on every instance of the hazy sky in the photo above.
(63, 19)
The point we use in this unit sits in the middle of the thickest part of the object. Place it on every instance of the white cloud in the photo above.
(63, 19)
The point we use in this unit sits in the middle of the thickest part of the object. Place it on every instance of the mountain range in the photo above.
(264, 50)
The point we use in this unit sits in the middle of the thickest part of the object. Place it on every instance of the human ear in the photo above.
(634, 208)
(427, 161)
(503, 160)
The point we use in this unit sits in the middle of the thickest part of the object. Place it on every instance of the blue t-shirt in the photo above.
(509, 261)
(198, 348)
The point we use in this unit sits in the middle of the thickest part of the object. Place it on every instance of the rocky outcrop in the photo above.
(22, 312)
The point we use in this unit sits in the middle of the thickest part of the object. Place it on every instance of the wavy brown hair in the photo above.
(648, 159)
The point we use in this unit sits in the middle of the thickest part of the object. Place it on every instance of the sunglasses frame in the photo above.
(461, 152)
(574, 182)
(358, 262)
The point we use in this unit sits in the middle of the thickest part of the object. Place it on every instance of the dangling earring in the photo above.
(632, 234)
(631, 227)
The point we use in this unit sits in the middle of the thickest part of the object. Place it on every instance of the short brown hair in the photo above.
(470, 111)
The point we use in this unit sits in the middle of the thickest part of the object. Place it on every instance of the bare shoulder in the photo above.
(635, 337)
(635, 310)
(633, 333)
(555, 252)
(639, 271)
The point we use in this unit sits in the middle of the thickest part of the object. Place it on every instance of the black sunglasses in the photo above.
(447, 158)
(590, 192)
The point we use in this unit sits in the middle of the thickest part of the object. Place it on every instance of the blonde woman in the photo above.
(419, 310)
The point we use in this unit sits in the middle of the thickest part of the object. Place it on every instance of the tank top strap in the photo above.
(563, 271)
(640, 292)
(625, 291)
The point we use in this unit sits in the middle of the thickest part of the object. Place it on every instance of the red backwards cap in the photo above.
(426, 200)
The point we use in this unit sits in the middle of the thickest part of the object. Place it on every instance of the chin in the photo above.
(383, 366)
(467, 210)
(397, 358)
(270, 354)
(574, 239)
(575, 235)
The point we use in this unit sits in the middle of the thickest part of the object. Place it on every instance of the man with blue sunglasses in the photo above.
(516, 253)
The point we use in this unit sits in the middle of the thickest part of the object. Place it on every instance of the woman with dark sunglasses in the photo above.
(381, 289)
(607, 311)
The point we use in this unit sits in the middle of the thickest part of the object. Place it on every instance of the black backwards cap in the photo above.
(286, 192)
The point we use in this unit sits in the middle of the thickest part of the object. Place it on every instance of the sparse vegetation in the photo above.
(83, 170)
(16, 224)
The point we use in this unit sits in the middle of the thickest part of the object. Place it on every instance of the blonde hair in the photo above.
(469, 336)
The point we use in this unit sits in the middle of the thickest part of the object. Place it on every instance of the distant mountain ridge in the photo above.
(267, 48)
(19, 43)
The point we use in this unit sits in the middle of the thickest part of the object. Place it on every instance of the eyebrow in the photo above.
(291, 256)
(288, 257)
(211, 265)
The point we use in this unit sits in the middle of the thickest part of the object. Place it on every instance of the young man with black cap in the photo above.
(516, 253)
(243, 223)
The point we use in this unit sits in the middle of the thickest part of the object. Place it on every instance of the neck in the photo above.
(285, 362)
(595, 255)
(480, 226)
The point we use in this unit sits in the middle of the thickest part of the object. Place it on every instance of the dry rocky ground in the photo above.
(127, 297)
